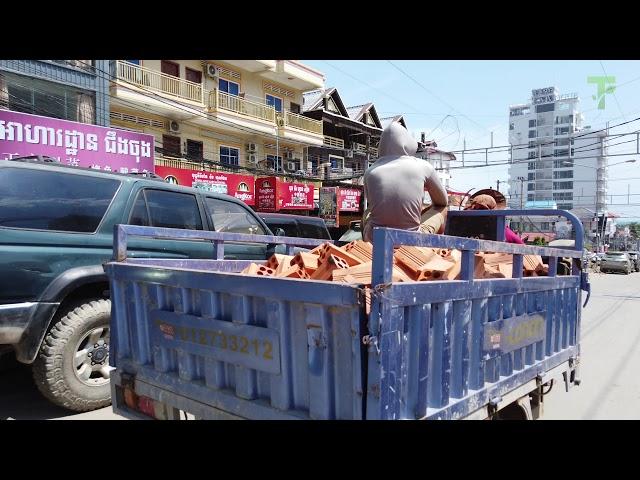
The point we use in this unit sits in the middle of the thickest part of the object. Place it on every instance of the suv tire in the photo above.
(64, 371)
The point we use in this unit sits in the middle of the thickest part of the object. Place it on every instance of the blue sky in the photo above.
(476, 94)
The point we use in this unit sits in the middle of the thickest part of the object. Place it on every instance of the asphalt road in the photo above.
(21, 400)
(610, 355)
(610, 387)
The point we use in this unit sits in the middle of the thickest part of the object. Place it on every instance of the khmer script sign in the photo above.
(75, 144)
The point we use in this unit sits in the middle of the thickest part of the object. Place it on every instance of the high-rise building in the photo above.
(555, 158)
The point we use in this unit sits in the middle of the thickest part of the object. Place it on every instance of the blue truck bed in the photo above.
(192, 335)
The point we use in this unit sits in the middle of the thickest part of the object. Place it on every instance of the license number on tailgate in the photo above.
(257, 348)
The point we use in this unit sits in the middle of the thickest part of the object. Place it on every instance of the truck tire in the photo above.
(64, 370)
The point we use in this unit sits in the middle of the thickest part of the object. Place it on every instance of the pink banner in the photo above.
(349, 199)
(296, 196)
(76, 144)
(239, 186)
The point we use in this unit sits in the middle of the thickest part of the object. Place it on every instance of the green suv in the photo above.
(56, 231)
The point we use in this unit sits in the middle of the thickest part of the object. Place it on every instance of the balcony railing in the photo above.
(303, 123)
(223, 101)
(333, 141)
(160, 82)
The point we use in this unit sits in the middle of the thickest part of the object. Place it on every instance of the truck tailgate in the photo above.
(249, 346)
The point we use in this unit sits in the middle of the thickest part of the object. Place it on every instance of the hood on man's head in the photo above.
(396, 140)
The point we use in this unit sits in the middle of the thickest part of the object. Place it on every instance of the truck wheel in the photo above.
(72, 369)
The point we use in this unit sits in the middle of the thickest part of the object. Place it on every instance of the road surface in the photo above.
(610, 355)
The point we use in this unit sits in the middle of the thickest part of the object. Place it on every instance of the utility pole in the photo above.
(522, 179)
(464, 147)
(498, 185)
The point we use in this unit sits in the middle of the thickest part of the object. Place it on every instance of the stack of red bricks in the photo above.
(353, 262)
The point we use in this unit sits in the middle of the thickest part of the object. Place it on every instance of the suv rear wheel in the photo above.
(72, 369)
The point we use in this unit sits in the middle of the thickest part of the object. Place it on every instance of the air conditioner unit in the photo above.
(288, 155)
(253, 158)
(213, 71)
(280, 121)
(252, 147)
(174, 127)
(291, 165)
(348, 153)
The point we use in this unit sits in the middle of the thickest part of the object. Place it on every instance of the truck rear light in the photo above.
(146, 406)
(130, 398)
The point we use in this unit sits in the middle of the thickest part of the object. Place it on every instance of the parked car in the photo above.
(635, 258)
(616, 262)
(296, 225)
(56, 231)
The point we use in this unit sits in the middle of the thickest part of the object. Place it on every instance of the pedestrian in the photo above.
(394, 188)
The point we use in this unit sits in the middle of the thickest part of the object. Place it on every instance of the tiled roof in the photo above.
(312, 98)
(355, 112)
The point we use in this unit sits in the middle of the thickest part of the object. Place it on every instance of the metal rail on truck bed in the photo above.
(200, 338)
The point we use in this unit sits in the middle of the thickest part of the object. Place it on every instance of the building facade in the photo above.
(351, 135)
(553, 157)
(75, 90)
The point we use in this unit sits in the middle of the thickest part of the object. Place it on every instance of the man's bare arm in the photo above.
(435, 188)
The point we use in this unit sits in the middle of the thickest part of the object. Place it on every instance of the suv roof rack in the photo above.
(49, 160)
(149, 175)
(34, 159)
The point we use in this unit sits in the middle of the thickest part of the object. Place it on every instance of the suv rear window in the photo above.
(161, 208)
(51, 200)
(313, 230)
(231, 217)
(290, 228)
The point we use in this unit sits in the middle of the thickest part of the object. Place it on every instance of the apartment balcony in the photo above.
(360, 148)
(333, 142)
(167, 95)
(292, 126)
(234, 111)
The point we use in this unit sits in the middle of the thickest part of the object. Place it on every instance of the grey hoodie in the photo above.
(394, 185)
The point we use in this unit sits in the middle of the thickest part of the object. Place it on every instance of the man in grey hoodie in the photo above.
(394, 187)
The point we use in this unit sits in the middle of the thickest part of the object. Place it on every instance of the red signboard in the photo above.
(239, 186)
(266, 194)
(273, 194)
(349, 199)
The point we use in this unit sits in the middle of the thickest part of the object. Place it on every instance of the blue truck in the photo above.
(193, 338)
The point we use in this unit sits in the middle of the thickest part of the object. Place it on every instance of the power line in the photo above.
(525, 146)
(369, 85)
(434, 95)
(614, 91)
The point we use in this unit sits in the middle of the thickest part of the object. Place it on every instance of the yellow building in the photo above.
(231, 115)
